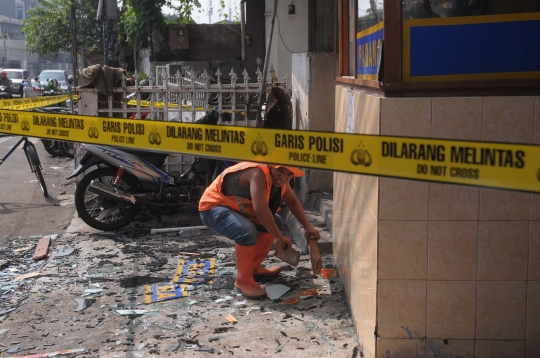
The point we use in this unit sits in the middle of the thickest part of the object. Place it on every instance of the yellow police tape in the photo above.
(162, 104)
(497, 165)
(29, 103)
(174, 105)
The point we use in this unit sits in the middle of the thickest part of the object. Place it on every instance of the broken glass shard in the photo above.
(63, 252)
(131, 312)
(276, 291)
(83, 303)
(3, 312)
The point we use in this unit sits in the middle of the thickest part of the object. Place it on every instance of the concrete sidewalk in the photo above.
(198, 325)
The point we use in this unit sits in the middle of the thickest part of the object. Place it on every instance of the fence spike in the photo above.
(206, 78)
(178, 77)
(259, 75)
(165, 77)
(273, 77)
(246, 77)
(233, 75)
(218, 75)
(193, 77)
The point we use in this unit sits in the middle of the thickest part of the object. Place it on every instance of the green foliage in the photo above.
(138, 14)
(184, 11)
(235, 16)
(142, 75)
(47, 28)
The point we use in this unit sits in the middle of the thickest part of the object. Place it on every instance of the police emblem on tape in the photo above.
(93, 131)
(259, 147)
(25, 126)
(154, 138)
(360, 156)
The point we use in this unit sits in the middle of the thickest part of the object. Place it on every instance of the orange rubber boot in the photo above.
(265, 240)
(244, 273)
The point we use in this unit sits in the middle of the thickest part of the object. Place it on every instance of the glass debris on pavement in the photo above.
(121, 273)
(53, 354)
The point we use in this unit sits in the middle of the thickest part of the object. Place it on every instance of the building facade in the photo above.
(13, 52)
(430, 269)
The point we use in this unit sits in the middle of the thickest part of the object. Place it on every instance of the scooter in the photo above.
(109, 197)
(126, 181)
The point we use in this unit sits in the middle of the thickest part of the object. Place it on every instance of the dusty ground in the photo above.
(24, 211)
(38, 314)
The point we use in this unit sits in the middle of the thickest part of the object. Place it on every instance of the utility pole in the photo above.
(110, 34)
(82, 63)
(73, 42)
(210, 11)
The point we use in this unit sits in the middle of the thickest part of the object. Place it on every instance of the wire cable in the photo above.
(281, 37)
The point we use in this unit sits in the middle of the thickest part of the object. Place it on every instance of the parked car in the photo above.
(19, 78)
(54, 82)
(60, 75)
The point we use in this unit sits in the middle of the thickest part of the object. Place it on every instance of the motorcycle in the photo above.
(52, 88)
(5, 92)
(109, 197)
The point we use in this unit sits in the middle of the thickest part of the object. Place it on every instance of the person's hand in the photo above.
(312, 233)
(283, 243)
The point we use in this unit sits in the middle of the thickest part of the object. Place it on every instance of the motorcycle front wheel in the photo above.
(51, 146)
(67, 149)
(102, 213)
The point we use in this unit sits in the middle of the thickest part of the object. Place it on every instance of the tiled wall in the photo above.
(355, 223)
(453, 271)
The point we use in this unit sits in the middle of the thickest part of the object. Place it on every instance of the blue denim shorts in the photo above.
(230, 223)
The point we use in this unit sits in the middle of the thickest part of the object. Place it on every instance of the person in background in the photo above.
(36, 85)
(241, 204)
(4, 80)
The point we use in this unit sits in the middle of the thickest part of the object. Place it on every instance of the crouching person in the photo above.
(241, 204)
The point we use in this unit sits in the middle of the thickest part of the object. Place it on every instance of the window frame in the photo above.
(392, 60)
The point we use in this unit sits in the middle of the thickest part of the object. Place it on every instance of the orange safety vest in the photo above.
(213, 195)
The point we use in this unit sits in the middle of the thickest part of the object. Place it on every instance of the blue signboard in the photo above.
(368, 45)
(472, 48)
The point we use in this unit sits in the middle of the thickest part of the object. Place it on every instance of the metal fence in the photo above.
(174, 97)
